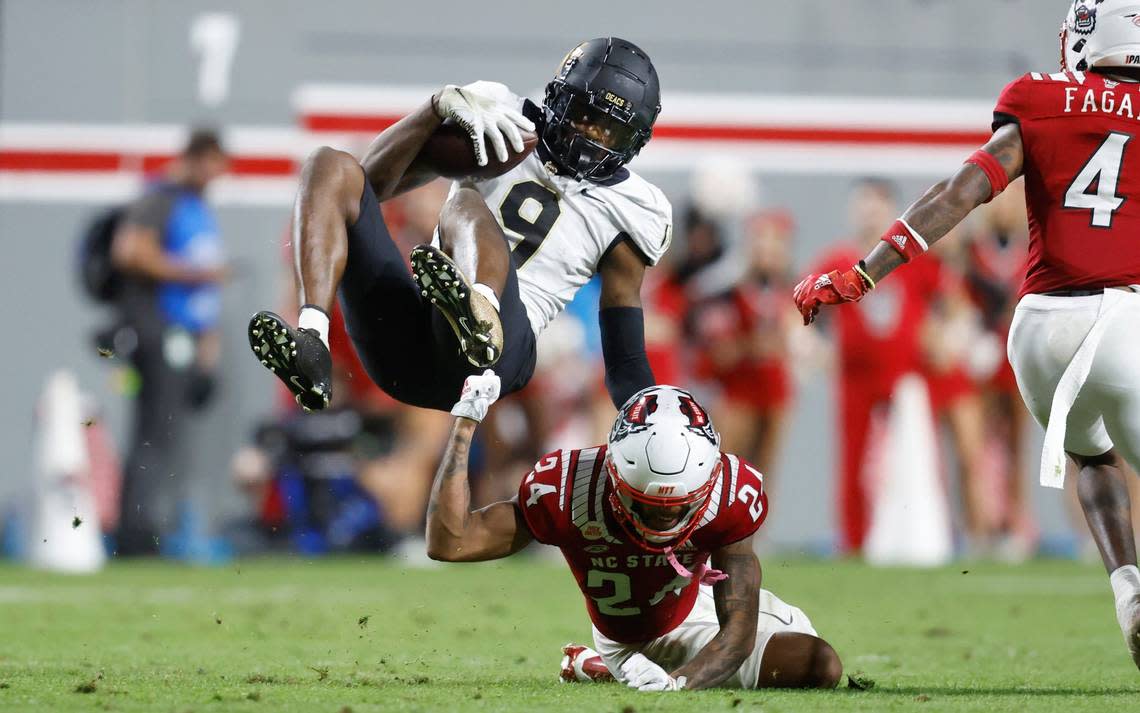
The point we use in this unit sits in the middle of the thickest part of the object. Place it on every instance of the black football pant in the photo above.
(405, 344)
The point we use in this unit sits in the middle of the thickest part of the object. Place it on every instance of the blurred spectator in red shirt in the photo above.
(953, 341)
(996, 262)
(877, 342)
(741, 341)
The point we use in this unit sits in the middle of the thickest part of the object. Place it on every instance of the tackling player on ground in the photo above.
(638, 521)
(1073, 342)
(510, 251)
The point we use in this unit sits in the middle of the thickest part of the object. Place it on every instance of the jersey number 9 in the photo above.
(529, 210)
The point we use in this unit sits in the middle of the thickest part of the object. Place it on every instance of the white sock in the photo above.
(1125, 583)
(488, 293)
(315, 319)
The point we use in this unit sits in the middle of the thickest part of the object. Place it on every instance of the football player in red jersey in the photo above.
(1073, 340)
(638, 521)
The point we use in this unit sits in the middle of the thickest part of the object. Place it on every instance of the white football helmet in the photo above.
(1102, 33)
(662, 452)
(1075, 32)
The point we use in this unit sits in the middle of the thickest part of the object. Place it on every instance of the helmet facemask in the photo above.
(625, 499)
(616, 140)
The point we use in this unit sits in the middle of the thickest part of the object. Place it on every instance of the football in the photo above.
(450, 153)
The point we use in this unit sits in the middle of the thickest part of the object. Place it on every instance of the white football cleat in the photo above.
(1128, 614)
(581, 664)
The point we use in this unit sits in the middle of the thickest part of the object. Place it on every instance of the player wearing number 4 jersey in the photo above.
(1073, 342)
(657, 528)
(510, 250)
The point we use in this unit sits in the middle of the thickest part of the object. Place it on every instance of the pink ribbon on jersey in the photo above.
(703, 573)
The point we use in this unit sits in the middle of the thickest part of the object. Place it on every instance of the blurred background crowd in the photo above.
(152, 425)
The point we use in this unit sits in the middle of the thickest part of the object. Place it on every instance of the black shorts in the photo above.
(405, 344)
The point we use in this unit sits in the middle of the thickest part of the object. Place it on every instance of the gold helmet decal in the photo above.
(570, 60)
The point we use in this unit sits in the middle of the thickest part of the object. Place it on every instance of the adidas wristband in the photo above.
(905, 241)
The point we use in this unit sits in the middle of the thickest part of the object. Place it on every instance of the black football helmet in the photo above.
(600, 108)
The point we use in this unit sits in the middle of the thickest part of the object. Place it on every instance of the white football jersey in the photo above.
(559, 229)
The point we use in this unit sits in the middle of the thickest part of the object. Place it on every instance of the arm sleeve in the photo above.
(623, 349)
(150, 211)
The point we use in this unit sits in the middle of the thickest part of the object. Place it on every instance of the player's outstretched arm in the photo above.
(455, 533)
(737, 608)
(948, 203)
(623, 323)
(985, 174)
(390, 161)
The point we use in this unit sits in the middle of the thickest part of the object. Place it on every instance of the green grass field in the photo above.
(365, 635)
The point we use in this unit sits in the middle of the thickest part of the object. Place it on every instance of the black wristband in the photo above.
(861, 270)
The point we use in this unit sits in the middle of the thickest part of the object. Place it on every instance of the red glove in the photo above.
(831, 289)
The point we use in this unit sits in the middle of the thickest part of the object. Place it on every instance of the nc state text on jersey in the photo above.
(645, 560)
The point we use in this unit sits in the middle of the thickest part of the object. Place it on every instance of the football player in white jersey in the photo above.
(510, 251)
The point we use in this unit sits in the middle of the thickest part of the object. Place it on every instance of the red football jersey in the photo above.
(632, 595)
(1081, 173)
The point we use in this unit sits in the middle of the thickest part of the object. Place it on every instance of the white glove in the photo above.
(479, 392)
(644, 675)
(480, 108)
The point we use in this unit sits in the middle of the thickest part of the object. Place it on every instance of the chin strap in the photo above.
(703, 573)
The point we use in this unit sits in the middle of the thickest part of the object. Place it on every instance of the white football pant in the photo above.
(682, 644)
(1044, 337)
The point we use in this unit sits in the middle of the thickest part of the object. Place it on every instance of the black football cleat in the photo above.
(472, 317)
(297, 356)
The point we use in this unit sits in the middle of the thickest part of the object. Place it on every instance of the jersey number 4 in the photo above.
(1103, 169)
(530, 210)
